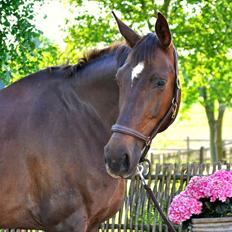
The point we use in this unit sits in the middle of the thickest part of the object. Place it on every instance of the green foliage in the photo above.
(45, 54)
(202, 33)
(138, 12)
(216, 209)
(98, 28)
(212, 210)
(90, 30)
(23, 49)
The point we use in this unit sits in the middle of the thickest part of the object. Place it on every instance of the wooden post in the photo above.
(201, 158)
(224, 155)
(230, 155)
(188, 148)
(178, 157)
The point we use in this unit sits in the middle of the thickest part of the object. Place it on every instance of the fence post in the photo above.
(201, 155)
(188, 148)
(230, 155)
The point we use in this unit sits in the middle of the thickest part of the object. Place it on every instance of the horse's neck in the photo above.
(96, 85)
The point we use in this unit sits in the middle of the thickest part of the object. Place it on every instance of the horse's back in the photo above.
(35, 135)
(41, 117)
(51, 154)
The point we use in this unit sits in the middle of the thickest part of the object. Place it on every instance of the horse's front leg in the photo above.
(76, 222)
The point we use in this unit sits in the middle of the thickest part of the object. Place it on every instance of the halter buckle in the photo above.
(175, 107)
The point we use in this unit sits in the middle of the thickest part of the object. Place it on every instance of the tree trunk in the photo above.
(219, 142)
(213, 136)
(210, 112)
(215, 127)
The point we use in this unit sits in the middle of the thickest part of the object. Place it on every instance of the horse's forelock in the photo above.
(144, 50)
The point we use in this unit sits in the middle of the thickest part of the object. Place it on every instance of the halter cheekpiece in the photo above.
(168, 118)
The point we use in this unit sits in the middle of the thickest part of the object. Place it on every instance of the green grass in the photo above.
(195, 126)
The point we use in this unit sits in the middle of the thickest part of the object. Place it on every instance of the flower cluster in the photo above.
(216, 187)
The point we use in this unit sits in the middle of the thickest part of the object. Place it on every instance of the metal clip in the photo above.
(139, 172)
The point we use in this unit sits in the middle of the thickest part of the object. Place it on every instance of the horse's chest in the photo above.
(107, 200)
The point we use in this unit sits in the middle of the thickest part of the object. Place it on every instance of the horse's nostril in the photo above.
(125, 161)
(105, 160)
(117, 160)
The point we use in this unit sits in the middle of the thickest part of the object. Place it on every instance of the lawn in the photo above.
(193, 125)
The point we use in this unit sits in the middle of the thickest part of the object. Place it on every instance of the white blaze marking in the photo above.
(136, 71)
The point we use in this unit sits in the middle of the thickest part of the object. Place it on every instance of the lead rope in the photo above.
(140, 169)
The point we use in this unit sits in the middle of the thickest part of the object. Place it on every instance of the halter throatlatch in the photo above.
(164, 123)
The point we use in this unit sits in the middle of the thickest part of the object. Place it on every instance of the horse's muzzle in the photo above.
(121, 158)
(117, 161)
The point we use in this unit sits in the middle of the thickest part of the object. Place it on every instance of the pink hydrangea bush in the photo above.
(197, 187)
(183, 207)
(199, 193)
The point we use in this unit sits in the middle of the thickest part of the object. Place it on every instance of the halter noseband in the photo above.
(168, 117)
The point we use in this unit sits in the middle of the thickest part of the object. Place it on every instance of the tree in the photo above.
(92, 27)
(201, 31)
(23, 49)
(202, 34)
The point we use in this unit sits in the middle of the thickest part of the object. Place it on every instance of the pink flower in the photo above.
(183, 207)
(220, 187)
(217, 186)
(222, 174)
(198, 187)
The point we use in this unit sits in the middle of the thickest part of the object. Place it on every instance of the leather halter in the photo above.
(164, 123)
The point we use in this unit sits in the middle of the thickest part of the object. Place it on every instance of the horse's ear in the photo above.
(131, 37)
(162, 31)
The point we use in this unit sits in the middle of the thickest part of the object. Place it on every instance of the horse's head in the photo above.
(147, 96)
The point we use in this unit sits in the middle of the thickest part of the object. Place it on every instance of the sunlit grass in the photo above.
(195, 126)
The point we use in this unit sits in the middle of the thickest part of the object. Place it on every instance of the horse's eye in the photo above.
(160, 83)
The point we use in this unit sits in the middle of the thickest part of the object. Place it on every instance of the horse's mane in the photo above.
(144, 50)
(93, 54)
(96, 53)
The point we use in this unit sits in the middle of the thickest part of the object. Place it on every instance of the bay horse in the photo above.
(56, 171)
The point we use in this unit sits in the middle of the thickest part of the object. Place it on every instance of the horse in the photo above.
(62, 167)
